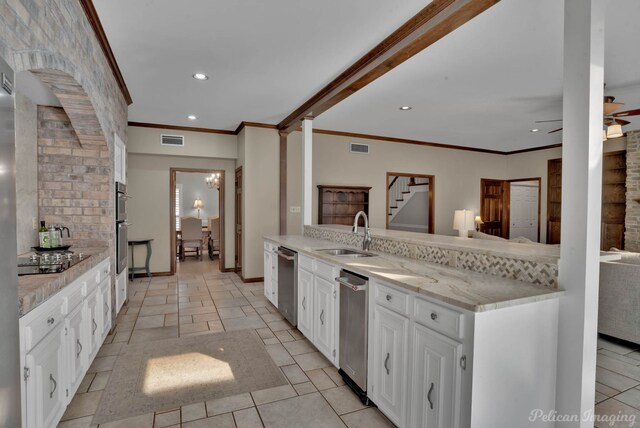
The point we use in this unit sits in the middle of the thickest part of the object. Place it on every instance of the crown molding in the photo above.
(94, 20)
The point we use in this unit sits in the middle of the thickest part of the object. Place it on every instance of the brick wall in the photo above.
(73, 181)
(632, 220)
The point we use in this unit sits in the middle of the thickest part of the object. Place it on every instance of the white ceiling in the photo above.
(487, 83)
(484, 85)
(264, 58)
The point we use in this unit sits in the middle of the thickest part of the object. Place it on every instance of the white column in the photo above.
(581, 199)
(307, 165)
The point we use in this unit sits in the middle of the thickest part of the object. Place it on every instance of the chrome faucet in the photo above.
(366, 242)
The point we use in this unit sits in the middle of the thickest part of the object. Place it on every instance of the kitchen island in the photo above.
(447, 345)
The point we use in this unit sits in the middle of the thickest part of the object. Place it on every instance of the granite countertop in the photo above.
(33, 290)
(465, 289)
(535, 252)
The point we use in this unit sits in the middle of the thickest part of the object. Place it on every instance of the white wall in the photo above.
(259, 150)
(198, 144)
(194, 186)
(456, 184)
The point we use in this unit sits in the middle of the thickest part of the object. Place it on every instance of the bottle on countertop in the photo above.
(43, 234)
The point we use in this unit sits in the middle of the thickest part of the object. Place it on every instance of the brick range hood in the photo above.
(632, 219)
(74, 187)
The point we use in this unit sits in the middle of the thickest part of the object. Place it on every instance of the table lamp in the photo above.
(478, 222)
(198, 204)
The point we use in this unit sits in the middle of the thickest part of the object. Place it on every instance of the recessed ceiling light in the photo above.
(191, 117)
(200, 76)
(405, 108)
(534, 130)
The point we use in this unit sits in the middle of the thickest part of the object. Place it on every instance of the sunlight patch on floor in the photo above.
(183, 371)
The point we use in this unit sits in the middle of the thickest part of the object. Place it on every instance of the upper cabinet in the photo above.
(120, 160)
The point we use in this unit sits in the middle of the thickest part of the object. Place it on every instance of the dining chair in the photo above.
(191, 236)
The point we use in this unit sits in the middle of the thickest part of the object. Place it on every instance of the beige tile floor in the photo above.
(200, 300)
(617, 381)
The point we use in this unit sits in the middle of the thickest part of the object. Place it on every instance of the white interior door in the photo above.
(524, 210)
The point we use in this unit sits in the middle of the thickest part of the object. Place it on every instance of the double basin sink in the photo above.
(345, 252)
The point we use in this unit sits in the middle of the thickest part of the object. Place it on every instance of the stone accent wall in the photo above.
(632, 220)
(73, 181)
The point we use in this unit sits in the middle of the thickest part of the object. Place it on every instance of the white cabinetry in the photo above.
(121, 289)
(318, 304)
(58, 341)
(305, 310)
(271, 272)
(44, 376)
(435, 377)
(389, 368)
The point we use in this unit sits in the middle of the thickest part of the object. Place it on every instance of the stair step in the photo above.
(406, 192)
(418, 184)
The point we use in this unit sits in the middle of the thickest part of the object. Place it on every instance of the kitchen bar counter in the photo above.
(35, 289)
(462, 288)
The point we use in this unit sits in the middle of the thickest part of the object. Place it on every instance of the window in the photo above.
(178, 204)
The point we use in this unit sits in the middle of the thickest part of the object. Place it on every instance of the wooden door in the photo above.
(493, 209)
(238, 232)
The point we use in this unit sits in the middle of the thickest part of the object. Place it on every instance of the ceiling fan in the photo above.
(612, 120)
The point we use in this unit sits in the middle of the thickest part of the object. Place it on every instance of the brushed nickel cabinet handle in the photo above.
(79, 345)
(388, 297)
(386, 361)
(51, 320)
(322, 317)
(304, 299)
(434, 316)
(95, 326)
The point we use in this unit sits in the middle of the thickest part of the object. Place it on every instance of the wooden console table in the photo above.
(133, 269)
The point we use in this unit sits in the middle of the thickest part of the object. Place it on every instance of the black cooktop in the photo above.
(45, 263)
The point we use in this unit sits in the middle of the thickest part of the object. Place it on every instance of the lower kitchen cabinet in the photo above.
(76, 348)
(318, 303)
(44, 376)
(325, 323)
(435, 380)
(389, 368)
(305, 310)
(271, 273)
(58, 341)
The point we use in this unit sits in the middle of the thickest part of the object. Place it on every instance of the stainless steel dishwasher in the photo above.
(288, 284)
(353, 332)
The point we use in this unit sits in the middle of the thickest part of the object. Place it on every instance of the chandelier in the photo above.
(213, 180)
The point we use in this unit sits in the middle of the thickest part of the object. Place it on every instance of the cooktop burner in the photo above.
(52, 262)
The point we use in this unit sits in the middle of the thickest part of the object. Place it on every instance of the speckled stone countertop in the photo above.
(467, 290)
(33, 290)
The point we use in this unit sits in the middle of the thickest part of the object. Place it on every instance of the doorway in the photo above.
(238, 228)
(511, 208)
(410, 202)
(192, 194)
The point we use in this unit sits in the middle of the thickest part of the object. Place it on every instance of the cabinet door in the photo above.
(105, 308)
(389, 363)
(45, 378)
(274, 279)
(121, 289)
(267, 274)
(76, 348)
(93, 325)
(324, 313)
(305, 303)
(435, 379)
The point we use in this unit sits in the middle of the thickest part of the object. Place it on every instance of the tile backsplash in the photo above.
(545, 274)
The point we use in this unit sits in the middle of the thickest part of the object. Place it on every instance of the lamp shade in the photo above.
(198, 203)
(478, 220)
(614, 131)
(463, 221)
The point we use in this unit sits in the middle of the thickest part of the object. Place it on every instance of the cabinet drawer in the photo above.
(270, 246)
(392, 299)
(325, 271)
(305, 262)
(48, 318)
(74, 297)
(439, 318)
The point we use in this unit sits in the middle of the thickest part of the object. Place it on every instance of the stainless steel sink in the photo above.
(345, 252)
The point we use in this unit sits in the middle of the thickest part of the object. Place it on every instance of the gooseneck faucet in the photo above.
(366, 242)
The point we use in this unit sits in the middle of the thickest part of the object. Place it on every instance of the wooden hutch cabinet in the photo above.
(340, 204)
